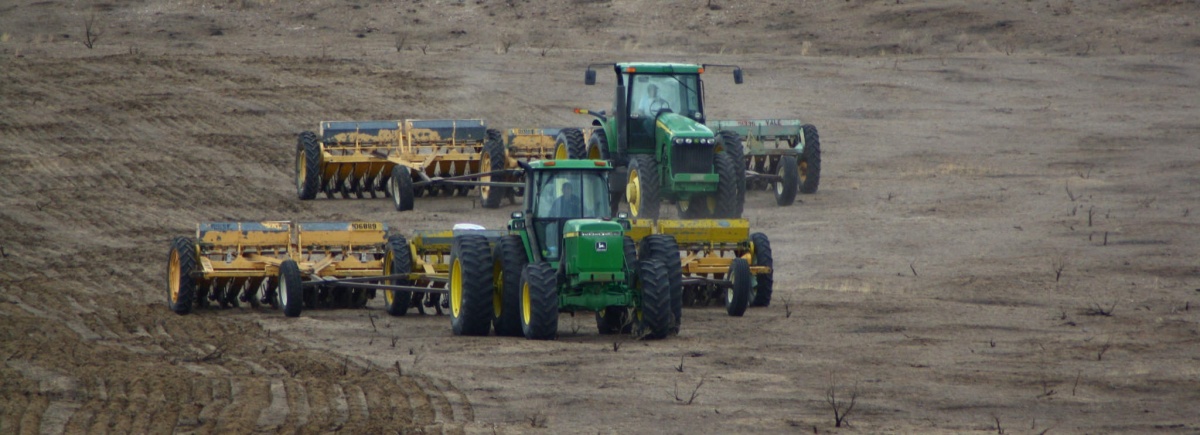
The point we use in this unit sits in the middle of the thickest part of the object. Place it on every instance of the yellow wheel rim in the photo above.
(526, 310)
(301, 170)
(456, 290)
(594, 153)
(803, 167)
(173, 276)
(633, 192)
(498, 294)
(560, 152)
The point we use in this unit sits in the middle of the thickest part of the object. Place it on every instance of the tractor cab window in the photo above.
(565, 195)
(651, 94)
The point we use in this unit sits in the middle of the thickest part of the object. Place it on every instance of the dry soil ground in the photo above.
(1005, 238)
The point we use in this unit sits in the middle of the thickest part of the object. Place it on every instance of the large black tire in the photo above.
(665, 249)
(598, 142)
(506, 304)
(493, 159)
(291, 290)
(471, 285)
(539, 302)
(785, 190)
(810, 160)
(727, 188)
(642, 187)
(402, 188)
(760, 296)
(570, 144)
(737, 296)
(399, 260)
(654, 309)
(731, 144)
(181, 285)
(631, 259)
(308, 165)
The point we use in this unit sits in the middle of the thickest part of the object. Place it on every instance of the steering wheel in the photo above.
(659, 105)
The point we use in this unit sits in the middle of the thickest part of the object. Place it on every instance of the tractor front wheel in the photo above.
(539, 302)
(470, 285)
(642, 188)
(181, 285)
(737, 296)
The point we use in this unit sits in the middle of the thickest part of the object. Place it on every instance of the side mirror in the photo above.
(737, 76)
(589, 77)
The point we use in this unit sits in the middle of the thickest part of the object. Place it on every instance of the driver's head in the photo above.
(568, 189)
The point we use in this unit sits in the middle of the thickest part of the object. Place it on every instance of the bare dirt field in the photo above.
(1006, 238)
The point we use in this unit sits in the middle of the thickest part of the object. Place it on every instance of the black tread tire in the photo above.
(760, 295)
(727, 190)
(471, 296)
(308, 165)
(737, 296)
(785, 190)
(631, 258)
(399, 261)
(654, 309)
(732, 145)
(506, 305)
(291, 289)
(665, 249)
(810, 177)
(645, 169)
(572, 140)
(539, 302)
(493, 159)
(599, 140)
(182, 260)
(402, 188)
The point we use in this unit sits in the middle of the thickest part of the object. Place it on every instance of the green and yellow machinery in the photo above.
(562, 253)
(773, 147)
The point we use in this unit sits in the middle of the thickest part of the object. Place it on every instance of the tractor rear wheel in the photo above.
(737, 296)
(308, 165)
(570, 145)
(492, 160)
(402, 188)
(539, 302)
(664, 248)
(785, 190)
(641, 190)
(731, 144)
(181, 286)
(291, 290)
(654, 309)
(598, 145)
(727, 189)
(399, 260)
(470, 285)
(760, 295)
(810, 160)
(506, 300)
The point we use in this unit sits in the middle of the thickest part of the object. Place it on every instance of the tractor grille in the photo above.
(692, 159)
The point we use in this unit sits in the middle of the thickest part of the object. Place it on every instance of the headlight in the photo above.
(679, 141)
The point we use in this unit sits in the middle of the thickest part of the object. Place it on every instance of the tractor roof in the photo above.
(569, 164)
(660, 67)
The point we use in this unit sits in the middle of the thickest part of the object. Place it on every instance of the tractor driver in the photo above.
(651, 103)
(569, 204)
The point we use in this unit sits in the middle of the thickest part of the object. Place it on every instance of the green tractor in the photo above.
(563, 253)
(656, 135)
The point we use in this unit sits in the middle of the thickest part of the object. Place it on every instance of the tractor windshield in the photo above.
(653, 93)
(563, 195)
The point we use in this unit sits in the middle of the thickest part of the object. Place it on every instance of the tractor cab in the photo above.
(562, 197)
